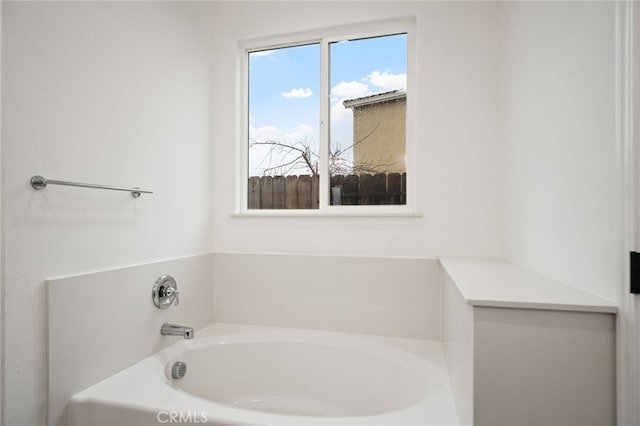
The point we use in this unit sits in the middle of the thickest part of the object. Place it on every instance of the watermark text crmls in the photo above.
(182, 417)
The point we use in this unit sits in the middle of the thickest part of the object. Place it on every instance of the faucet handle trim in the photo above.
(165, 292)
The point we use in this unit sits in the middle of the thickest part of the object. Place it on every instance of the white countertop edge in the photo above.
(470, 276)
(543, 306)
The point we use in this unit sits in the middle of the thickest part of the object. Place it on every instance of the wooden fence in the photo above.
(302, 192)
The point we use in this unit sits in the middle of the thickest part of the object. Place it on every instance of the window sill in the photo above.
(323, 213)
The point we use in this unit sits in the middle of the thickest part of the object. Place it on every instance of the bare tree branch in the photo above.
(306, 159)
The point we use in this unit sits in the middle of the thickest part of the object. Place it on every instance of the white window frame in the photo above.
(324, 37)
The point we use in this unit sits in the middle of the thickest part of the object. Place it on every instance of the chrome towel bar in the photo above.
(41, 182)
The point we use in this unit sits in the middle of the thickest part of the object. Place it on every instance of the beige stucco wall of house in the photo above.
(379, 134)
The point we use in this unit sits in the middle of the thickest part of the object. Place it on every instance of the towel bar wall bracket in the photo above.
(41, 182)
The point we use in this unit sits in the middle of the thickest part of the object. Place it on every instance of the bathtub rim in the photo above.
(142, 378)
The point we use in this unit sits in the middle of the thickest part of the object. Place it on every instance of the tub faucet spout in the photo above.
(177, 330)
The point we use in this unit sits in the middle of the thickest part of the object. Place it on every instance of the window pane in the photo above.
(284, 127)
(368, 80)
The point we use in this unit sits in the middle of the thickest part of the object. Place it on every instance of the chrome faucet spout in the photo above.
(177, 330)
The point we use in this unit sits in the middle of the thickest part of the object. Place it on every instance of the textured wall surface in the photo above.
(456, 117)
(108, 93)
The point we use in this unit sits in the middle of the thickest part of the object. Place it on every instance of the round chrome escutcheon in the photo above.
(165, 292)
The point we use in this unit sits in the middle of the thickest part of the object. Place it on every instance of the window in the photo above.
(325, 122)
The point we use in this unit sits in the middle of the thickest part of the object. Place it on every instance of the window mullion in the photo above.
(242, 151)
(324, 124)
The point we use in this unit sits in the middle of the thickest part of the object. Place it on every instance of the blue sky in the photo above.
(284, 91)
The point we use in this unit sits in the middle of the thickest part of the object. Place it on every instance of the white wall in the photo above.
(629, 313)
(557, 118)
(82, 326)
(456, 113)
(457, 345)
(120, 93)
(115, 93)
(1, 251)
(537, 367)
(370, 295)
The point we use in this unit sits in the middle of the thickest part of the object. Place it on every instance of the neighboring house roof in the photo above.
(375, 99)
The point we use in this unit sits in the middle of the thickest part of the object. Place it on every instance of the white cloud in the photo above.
(302, 132)
(262, 57)
(264, 133)
(339, 112)
(298, 93)
(263, 53)
(343, 91)
(386, 81)
(272, 133)
(306, 128)
(350, 90)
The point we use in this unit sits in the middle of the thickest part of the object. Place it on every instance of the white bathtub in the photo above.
(239, 375)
